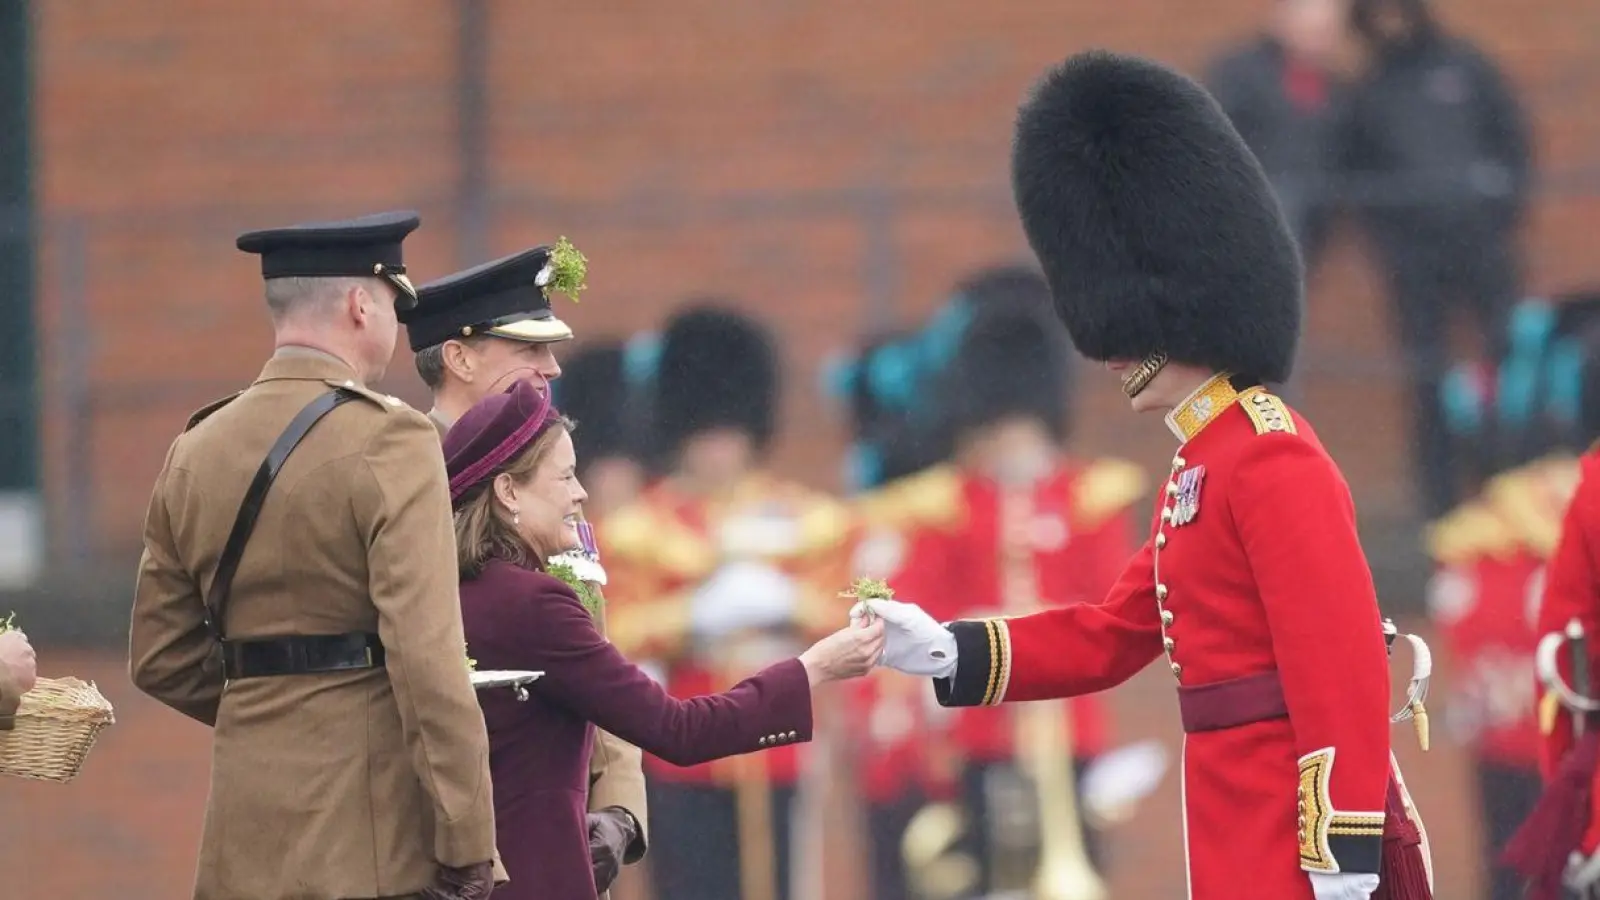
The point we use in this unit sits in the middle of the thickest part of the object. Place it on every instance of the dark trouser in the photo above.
(1506, 795)
(1007, 844)
(1425, 291)
(886, 826)
(694, 841)
(1001, 836)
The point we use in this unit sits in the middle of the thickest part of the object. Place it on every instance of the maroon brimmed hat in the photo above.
(494, 430)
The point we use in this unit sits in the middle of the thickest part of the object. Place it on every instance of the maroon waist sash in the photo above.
(1259, 698)
(1231, 703)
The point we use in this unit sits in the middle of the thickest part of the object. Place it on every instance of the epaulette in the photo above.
(200, 414)
(1532, 500)
(931, 497)
(386, 401)
(1470, 531)
(636, 536)
(1267, 412)
(1105, 488)
(824, 522)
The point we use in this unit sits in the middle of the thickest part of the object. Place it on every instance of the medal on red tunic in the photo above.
(1187, 504)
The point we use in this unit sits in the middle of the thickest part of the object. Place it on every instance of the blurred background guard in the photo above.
(476, 332)
(717, 568)
(884, 391)
(1010, 525)
(1490, 554)
(594, 392)
(1284, 91)
(1437, 156)
(1493, 551)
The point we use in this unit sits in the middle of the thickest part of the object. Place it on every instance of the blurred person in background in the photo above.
(1491, 553)
(594, 391)
(881, 389)
(18, 673)
(1284, 91)
(1558, 839)
(1011, 524)
(475, 334)
(717, 568)
(511, 462)
(1437, 162)
(349, 756)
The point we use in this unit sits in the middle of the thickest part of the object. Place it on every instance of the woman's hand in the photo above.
(849, 652)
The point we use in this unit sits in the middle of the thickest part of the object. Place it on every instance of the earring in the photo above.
(516, 519)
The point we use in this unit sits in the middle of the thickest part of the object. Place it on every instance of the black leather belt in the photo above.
(301, 655)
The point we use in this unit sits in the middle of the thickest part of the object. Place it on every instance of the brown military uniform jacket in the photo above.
(329, 786)
(616, 771)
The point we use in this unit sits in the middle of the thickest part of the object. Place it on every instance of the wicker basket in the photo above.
(56, 725)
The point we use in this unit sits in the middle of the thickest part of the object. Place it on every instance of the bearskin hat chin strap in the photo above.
(1143, 374)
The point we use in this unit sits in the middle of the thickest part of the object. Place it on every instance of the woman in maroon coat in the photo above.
(511, 462)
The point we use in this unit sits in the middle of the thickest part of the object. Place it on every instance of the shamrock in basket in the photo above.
(55, 726)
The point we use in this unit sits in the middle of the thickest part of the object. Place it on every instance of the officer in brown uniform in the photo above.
(478, 332)
(297, 592)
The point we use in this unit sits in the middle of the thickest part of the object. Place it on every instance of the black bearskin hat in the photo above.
(593, 390)
(892, 438)
(1014, 287)
(716, 368)
(1013, 361)
(1156, 228)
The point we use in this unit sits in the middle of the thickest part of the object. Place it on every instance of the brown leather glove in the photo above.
(611, 832)
(474, 882)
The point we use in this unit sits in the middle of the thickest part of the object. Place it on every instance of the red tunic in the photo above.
(960, 544)
(662, 547)
(1572, 590)
(1491, 554)
(1253, 565)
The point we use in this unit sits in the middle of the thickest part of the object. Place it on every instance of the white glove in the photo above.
(1343, 885)
(742, 595)
(913, 642)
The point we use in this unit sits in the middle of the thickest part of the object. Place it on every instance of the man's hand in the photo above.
(611, 832)
(913, 642)
(18, 661)
(473, 882)
(1343, 885)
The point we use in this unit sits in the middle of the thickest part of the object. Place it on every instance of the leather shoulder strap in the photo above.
(255, 497)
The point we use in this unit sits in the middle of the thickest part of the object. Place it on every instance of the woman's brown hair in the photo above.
(483, 527)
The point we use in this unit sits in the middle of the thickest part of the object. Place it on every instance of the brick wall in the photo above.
(815, 160)
(818, 160)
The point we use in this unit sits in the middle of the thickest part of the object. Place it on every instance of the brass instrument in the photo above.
(1042, 732)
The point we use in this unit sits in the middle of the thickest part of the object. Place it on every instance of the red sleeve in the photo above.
(551, 631)
(1297, 523)
(1571, 587)
(1062, 652)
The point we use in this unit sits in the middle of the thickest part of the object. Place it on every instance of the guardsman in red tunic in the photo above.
(716, 567)
(1168, 259)
(1491, 554)
(1012, 525)
(891, 439)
